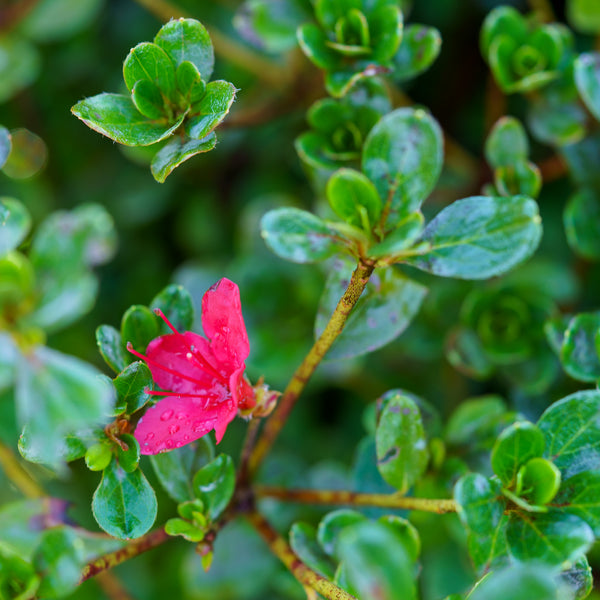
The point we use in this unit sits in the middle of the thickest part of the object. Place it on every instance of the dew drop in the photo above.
(186, 437)
(166, 415)
(178, 445)
(169, 444)
(173, 429)
(197, 426)
(149, 436)
(181, 415)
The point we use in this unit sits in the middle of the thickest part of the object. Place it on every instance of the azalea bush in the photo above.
(298, 299)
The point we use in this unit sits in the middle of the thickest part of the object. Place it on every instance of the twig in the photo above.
(18, 475)
(358, 282)
(356, 499)
(306, 576)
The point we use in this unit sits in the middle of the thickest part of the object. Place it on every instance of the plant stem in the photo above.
(272, 73)
(358, 282)
(18, 475)
(356, 499)
(133, 549)
(306, 576)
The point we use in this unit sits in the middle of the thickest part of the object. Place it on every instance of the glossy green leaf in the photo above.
(419, 48)
(139, 326)
(402, 237)
(148, 100)
(539, 480)
(578, 354)
(298, 235)
(58, 560)
(551, 538)
(313, 43)
(587, 80)
(214, 484)
(207, 113)
(15, 223)
(124, 504)
(582, 223)
(406, 532)
(523, 178)
(98, 457)
(128, 452)
(332, 524)
(383, 312)
(480, 237)
(403, 157)
(176, 469)
(189, 82)
(514, 447)
(28, 155)
(112, 348)
(580, 495)
(176, 152)
(354, 198)
(572, 430)
(479, 505)
(303, 540)
(475, 418)
(187, 39)
(56, 395)
(506, 143)
(402, 454)
(518, 582)
(131, 385)
(376, 561)
(584, 15)
(177, 305)
(115, 116)
(5, 145)
(188, 531)
(149, 62)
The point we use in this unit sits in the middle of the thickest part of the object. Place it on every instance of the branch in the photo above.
(133, 549)
(358, 282)
(306, 576)
(356, 499)
(18, 475)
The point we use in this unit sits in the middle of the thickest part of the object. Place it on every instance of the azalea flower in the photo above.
(204, 375)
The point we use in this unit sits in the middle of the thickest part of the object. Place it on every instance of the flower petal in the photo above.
(175, 421)
(223, 324)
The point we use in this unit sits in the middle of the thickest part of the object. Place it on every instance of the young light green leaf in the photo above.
(124, 504)
(139, 327)
(15, 223)
(402, 454)
(211, 109)
(403, 157)
(187, 39)
(480, 237)
(506, 143)
(383, 312)
(131, 385)
(214, 484)
(149, 62)
(148, 100)
(402, 237)
(176, 152)
(115, 116)
(128, 452)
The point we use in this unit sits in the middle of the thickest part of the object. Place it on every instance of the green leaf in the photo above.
(148, 100)
(518, 582)
(419, 48)
(406, 532)
(514, 447)
(17, 577)
(354, 198)
(139, 326)
(214, 484)
(189, 82)
(303, 540)
(466, 353)
(149, 62)
(188, 531)
(175, 470)
(15, 224)
(582, 223)
(382, 313)
(480, 237)
(206, 114)
(479, 505)
(584, 16)
(124, 504)
(59, 560)
(177, 305)
(56, 395)
(5, 145)
(115, 116)
(313, 42)
(580, 495)
(111, 347)
(131, 385)
(587, 80)
(572, 430)
(403, 157)
(69, 448)
(298, 235)
(578, 354)
(539, 480)
(552, 538)
(506, 143)
(177, 151)
(402, 454)
(399, 239)
(128, 452)
(332, 524)
(376, 562)
(522, 178)
(98, 456)
(187, 40)
(577, 579)
(474, 419)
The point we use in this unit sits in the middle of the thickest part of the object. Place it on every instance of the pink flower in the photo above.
(205, 376)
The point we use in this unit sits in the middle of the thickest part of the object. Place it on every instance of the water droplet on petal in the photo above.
(198, 426)
(149, 436)
(181, 415)
(169, 444)
(178, 445)
(173, 429)
(186, 437)
(166, 415)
